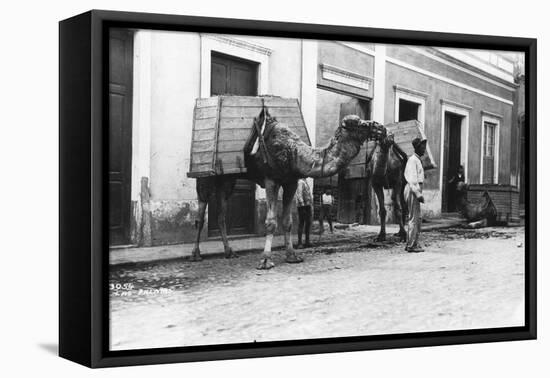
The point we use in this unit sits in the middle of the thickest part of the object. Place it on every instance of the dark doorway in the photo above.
(352, 202)
(234, 76)
(451, 159)
(120, 134)
(408, 110)
(353, 193)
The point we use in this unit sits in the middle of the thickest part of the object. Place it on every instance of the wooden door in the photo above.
(240, 210)
(234, 76)
(351, 200)
(353, 204)
(120, 134)
(451, 159)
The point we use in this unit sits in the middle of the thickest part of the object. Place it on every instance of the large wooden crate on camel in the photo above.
(403, 135)
(223, 124)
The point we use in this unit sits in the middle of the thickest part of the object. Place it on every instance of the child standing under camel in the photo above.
(327, 201)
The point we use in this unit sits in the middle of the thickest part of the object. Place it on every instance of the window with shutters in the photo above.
(489, 151)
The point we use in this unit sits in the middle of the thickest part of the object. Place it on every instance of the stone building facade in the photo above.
(464, 100)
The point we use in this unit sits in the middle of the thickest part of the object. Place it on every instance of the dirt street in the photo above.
(465, 279)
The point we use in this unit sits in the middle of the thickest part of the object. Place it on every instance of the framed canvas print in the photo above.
(235, 188)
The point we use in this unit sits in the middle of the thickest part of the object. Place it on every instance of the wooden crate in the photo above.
(223, 124)
(404, 133)
(505, 198)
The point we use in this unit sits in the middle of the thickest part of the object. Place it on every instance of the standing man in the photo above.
(414, 175)
(327, 200)
(304, 201)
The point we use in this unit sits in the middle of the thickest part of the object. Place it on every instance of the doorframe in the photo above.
(238, 48)
(234, 47)
(464, 111)
(366, 192)
(230, 58)
(141, 134)
(411, 95)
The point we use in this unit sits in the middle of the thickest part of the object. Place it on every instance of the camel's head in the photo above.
(379, 133)
(385, 139)
(264, 116)
(361, 129)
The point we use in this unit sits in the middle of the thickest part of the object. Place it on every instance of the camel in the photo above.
(277, 160)
(385, 167)
(482, 213)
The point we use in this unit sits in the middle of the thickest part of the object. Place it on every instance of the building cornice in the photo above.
(437, 55)
(343, 76)
(412, 92)
(240, 43)
(358, 47)
(477, 58)
(510, 85)
(492, 115)
(428, 73)
(455, 104)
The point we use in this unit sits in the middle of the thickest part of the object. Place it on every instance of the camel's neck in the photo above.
(328, 161)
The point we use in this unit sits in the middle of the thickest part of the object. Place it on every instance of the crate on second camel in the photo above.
(404, 132)
(223, 124)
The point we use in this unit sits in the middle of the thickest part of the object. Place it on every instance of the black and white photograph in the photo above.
(275, 189)
(271, 189)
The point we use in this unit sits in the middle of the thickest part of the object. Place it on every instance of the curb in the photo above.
(219, 254)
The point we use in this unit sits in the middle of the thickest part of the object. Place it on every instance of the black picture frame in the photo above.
(83, 293)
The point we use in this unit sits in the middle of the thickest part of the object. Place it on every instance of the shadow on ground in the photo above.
(51, 348)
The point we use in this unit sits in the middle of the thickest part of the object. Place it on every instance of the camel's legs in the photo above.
(199, 223)
(222, 195)
(271, 193)
(288, 195)
(398, 210)
(379, 191)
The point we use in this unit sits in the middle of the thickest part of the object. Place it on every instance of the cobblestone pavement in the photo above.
(465, 279)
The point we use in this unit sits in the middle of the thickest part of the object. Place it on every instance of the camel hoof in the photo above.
(265, 264)
(402, 235)
(293, 259)
(195, 257)
(229, 254)
(380, 238)
(195, 254)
